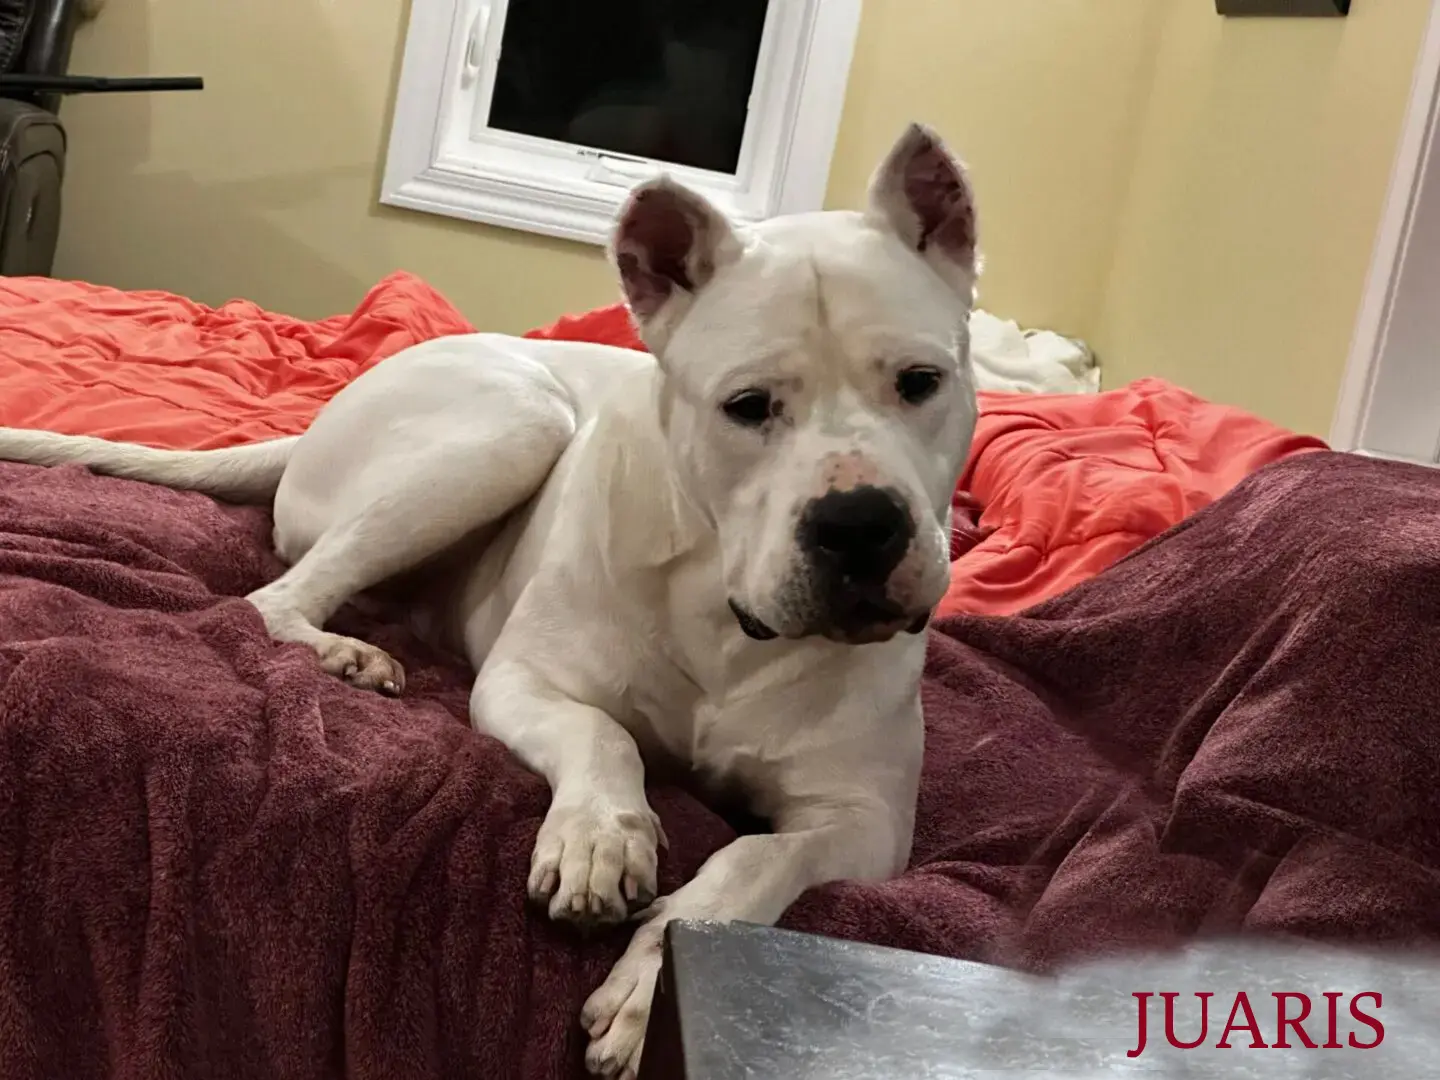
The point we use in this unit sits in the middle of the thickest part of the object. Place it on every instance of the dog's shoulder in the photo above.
(617, 501)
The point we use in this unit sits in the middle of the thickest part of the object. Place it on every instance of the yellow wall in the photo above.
(1044, 99)
(1197, 196)
(265, 184)
(1251, 213)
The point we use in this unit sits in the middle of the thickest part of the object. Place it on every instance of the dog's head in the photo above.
(816, 389)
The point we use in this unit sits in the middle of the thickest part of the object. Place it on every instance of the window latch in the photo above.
(617, 170)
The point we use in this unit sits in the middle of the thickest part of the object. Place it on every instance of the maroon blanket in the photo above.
(220, 863)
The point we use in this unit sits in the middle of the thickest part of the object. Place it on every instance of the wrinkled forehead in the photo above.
(844, 294)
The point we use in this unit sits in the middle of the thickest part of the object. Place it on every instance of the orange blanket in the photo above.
(1070, 483)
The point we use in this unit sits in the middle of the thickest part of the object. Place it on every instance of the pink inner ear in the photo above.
(941, 200)
(652, 249)
(645, 292)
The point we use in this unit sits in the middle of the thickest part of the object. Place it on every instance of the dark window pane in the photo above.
(662, 79)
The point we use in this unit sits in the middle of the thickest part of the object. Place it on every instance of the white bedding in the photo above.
(1029, 361)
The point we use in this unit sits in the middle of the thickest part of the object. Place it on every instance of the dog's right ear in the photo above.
(667, 245)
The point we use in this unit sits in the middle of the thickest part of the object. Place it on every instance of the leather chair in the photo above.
(35, 39)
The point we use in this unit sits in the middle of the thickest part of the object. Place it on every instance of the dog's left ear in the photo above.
(668, 243)
(922, 193)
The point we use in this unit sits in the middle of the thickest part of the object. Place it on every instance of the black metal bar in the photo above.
(47, 45)
(1322, 8)
(97, 84)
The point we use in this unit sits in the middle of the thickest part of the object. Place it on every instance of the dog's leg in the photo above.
(433, 503)
(348, 558)
(595, 855)
(754, 879)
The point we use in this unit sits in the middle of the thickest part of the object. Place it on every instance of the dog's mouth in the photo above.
(752, 627)
(865, 621)
(861, 622)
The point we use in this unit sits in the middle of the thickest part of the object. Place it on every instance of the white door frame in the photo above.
(1389, 403)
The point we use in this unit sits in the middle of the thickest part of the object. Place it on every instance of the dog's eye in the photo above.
(916, 384)
(749, 407)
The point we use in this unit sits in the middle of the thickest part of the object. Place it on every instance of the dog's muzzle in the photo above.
(852, 542)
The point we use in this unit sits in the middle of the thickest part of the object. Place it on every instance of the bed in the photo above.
(219, 862)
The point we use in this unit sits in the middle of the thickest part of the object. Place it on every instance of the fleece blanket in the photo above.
(1068, 482)
(220, 862)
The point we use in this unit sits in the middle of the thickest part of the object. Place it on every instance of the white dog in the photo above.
(725, 554)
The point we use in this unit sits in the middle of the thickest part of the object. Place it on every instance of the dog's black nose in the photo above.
(862, 533)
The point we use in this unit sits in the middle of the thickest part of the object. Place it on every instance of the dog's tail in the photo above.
(239, 474)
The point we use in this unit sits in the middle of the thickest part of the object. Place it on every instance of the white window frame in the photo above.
(1389, 403)
(443, 160)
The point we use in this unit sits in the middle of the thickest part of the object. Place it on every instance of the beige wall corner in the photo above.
(1044, 99)
(1250, 218)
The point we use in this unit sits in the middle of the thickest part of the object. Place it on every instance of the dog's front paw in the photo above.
(593, 864)
(617, 1014)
